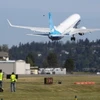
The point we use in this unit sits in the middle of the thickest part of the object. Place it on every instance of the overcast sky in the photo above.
(30, 13)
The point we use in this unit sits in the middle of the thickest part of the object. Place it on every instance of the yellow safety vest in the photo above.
(13, 78)
(1, 76)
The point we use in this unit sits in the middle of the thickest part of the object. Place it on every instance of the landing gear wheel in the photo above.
(72, 38)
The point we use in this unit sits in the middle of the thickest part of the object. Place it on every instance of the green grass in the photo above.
(33, 88)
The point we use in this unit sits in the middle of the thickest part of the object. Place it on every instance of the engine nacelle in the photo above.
(82, 28)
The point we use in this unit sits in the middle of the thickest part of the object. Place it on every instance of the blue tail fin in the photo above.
(51, 25)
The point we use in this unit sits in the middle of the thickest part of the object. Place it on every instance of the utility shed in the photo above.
(18, 67)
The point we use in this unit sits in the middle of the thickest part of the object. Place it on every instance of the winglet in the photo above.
(9, 22)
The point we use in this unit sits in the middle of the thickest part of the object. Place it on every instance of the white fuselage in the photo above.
(65, 27)
(68, 24)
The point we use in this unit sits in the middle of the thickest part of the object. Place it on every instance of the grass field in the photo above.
(33, 88)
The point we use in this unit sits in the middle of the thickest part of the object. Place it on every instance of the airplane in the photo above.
(67, 27)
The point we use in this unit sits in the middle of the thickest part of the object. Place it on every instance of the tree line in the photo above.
(82, 55)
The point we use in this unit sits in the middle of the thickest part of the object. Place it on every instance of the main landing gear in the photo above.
(73, 38)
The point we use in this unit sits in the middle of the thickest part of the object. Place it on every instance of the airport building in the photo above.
(9, 66)
(4, 56)
(18, 67)
(21, 67)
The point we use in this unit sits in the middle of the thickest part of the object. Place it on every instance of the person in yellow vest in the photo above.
(13, 82)
(1, 78)
(75, 97)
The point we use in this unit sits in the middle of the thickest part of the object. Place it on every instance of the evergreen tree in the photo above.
(52, 60)
(85, 53)
(30, 59)
(45, 64)
(69, 65)
(4, 48)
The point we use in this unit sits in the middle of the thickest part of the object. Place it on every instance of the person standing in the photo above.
(13, 82)
(75, 97)
(1, 78)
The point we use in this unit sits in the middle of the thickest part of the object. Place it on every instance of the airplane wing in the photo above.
(75, 31)
(35, 29)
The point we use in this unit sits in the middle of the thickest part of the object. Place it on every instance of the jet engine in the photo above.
(82, 28)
